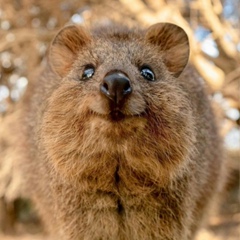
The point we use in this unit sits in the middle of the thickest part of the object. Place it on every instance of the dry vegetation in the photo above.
(27, 27)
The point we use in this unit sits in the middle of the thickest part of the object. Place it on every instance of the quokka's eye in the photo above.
(88, 72)
(148, 74)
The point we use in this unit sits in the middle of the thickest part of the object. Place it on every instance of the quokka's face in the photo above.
(115, 83)
(119, 75)
(119, 94)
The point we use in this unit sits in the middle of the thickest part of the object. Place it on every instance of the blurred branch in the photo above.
(220, 30)
(24, 35)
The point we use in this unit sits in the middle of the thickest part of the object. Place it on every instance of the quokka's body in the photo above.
(121, 141)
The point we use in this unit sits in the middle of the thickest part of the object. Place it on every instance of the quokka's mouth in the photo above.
(117, 115)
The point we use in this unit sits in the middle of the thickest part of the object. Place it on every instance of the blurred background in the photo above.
(28, 26)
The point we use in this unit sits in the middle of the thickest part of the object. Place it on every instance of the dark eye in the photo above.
(88, 72)
(148, 74)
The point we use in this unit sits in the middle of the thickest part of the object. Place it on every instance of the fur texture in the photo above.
(150, 175)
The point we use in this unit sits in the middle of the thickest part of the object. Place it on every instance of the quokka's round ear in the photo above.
(173, 44)
(65, 47)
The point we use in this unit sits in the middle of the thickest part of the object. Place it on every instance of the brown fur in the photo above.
(150, 175)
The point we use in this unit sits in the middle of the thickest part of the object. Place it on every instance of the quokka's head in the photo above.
(118, 71)
(119, 88)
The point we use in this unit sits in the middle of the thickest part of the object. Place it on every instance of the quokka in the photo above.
(120, 140)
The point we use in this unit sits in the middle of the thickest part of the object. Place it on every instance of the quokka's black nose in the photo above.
(116, 87)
